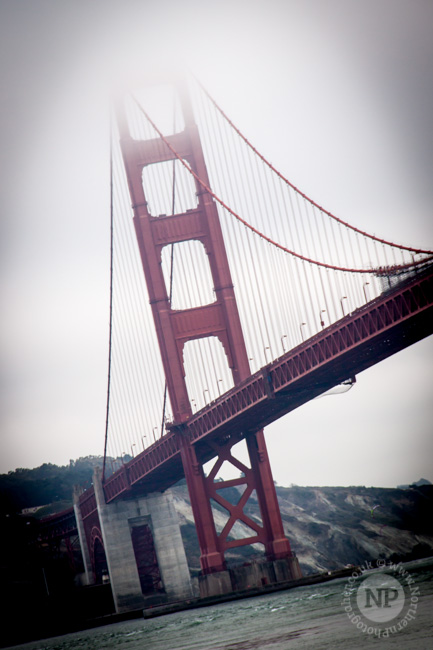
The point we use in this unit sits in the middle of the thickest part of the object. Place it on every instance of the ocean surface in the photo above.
(322, 616)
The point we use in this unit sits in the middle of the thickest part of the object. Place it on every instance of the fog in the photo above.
(337, 94)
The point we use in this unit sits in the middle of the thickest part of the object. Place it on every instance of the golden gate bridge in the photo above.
(235, 298)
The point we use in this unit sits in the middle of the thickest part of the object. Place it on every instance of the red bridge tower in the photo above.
(175, 327)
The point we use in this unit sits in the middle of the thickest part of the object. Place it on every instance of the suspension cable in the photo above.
(298, 191)
(110, 334)
(378, 271)
(173, 203)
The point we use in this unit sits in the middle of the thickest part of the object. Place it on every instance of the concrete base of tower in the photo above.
(215, 584)
(253, 575)
(144, 550)
(295, 572)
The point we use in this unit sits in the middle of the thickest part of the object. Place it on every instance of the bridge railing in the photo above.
(313, 367)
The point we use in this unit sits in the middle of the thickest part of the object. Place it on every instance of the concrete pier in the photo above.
(254, 575)
(122, 522)
(88, 572)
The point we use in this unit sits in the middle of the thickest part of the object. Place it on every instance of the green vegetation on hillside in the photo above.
(44, 485)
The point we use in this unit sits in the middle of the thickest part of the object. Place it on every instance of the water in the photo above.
(310, 617)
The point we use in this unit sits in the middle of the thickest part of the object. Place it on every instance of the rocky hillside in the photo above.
(327, 527)
(331, 527)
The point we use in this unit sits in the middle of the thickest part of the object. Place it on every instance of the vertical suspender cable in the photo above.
(173, 201)
(111, 302)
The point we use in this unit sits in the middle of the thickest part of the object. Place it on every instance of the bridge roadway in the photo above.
(393, 321)
(379, 329)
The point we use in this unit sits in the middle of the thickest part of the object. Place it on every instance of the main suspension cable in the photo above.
(378, 271)
(419, 251)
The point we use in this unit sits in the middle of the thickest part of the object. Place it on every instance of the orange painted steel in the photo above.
(372, 333)
(175, 327)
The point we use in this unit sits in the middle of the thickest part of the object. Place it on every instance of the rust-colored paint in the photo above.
(175, 327)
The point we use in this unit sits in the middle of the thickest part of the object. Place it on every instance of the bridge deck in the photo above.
(370, 334)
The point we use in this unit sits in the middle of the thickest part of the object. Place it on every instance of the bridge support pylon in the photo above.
(277, 546)
(176, 327)
(87, 562)
(240, 529)
(144, 549)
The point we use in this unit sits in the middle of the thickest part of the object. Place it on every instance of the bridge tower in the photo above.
(175, 327)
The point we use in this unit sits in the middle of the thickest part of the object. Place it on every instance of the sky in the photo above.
(337, 94)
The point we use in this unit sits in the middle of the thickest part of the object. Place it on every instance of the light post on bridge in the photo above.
(218, 386)
(206, 390)
(282, 342)
(132, 450)
(322, 322)
(365, 291)
(341, 303)
(301, 330)
(142, 440)
(270, 352)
